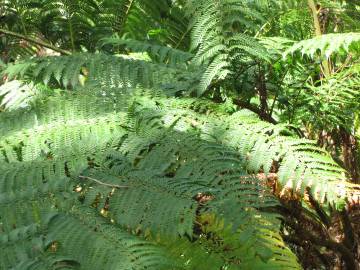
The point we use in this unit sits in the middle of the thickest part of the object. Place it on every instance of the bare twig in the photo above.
(102, 183)
(36, 41)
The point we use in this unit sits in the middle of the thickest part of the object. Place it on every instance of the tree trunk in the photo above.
(261, 87)
(349, 153)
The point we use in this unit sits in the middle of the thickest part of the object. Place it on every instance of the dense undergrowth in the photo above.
(179, 134)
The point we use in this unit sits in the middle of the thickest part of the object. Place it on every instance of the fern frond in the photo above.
(78, 129)
(109, 248)
(335, 101)
(162, 54)
(163, 169)
(299, 161)
(262, 144)
(218, 40)
(183, 171)
(103, 71)
(14, 95)
(326, 45)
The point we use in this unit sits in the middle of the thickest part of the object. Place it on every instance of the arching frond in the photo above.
(326, 45)
(104, 71)
(162, 54)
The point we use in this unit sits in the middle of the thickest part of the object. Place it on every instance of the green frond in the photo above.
(86, 131)
(217, 69)
(78, 129)
(326, 45)
(108, 160)
(108, 248)
(265, 144)
(15, 94)
(162, 54)
(110, 73)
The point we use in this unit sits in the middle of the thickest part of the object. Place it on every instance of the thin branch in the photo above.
(345, 64)
(254, 109)
(102, 183)
(36, 41)
(71, 32)
(273, 105)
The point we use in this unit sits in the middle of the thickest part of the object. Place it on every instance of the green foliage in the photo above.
(20, 16)
(108, 163)
(298, 161)
(164, 157)
(17, 94)
(80, 24)
(331, 105)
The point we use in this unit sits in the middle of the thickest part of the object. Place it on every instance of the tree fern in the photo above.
(217, 37)
(155, 170)
(74, 22)
(299, 161)
(335, 101)
(163, 159)
(101, 169)
(21, 17)
(271, 146)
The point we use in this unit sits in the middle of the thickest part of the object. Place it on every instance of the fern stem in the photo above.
(35, 41)
(71, 32)
(124, 17)
(23, 26)
(102, 183)
(325, 64)
(182, 38)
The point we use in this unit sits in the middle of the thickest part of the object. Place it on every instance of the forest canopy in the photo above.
(179, 134)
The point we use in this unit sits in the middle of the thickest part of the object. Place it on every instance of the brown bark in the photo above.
(254, 109)
(349, 153)
(261, 87)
